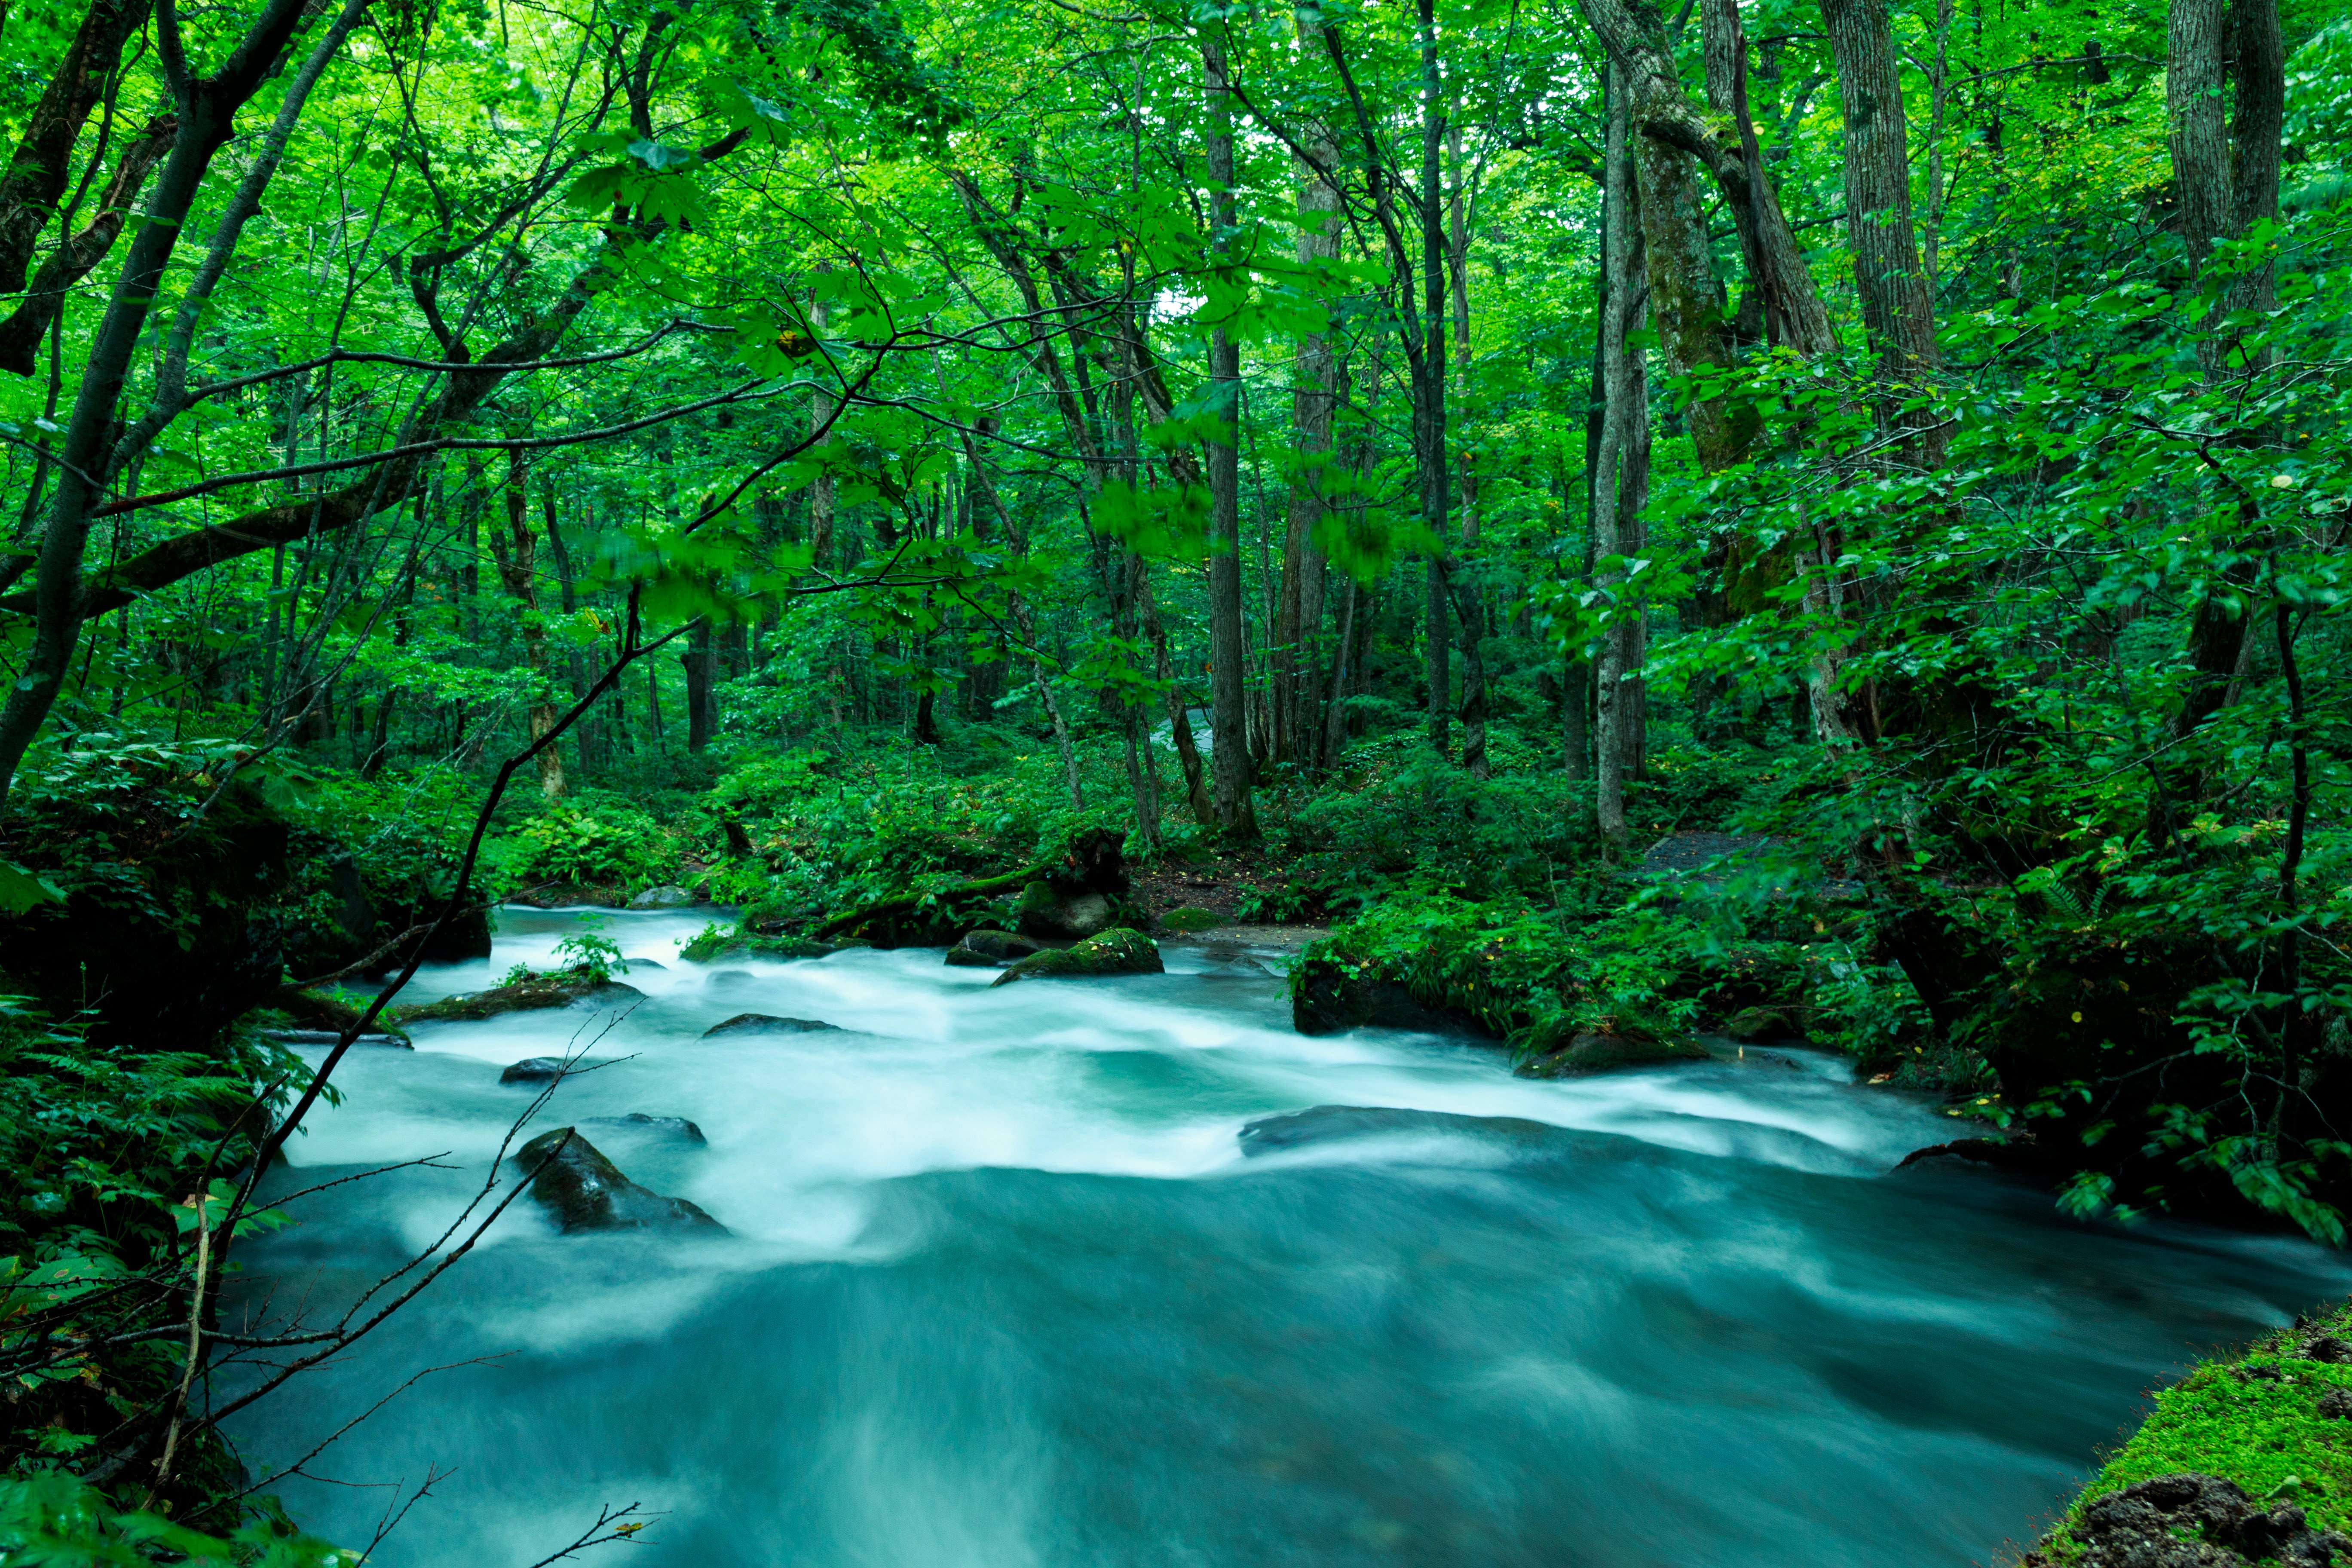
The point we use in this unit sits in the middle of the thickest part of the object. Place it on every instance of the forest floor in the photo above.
(1217, 884)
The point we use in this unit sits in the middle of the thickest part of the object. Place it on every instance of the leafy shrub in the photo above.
(592, 843)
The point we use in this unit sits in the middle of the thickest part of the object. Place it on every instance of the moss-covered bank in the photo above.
(2271, 1428)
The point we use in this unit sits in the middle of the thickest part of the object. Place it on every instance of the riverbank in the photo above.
(2248, 1458)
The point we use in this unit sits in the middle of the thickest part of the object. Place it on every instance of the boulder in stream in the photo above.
(765, 1024)
(1115, 952)
(584, 1191)
(1349, 1123)
(664, 899)
(987, 949)
(637, 1120)
(534, 991)
(540, 1070)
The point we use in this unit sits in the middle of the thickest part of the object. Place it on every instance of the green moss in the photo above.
(2254, 1421)
(718, 942)
(1117, 951)
(1189, 919)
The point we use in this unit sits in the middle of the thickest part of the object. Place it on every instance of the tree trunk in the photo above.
(1230, 761)
(1896, 312)
(696, 661)
(1620, 476)
(1469, 601)
(1298, 620)
(518, 565)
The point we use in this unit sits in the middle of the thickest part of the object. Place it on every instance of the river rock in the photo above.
(1343, 1123)
(1115, 952)
(537, 1069)
(674, 1126)
(1588, 1053)
(670, 897)
(983, 948)
(584, 1191)
(2336, 1404)
(2191, 1521)
(1045, 910)
(523, 996)
(765, 1024)
(1189, 919)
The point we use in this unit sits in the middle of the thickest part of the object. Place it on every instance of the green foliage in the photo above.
(52, 1519)
(591, 955)
(594, 842)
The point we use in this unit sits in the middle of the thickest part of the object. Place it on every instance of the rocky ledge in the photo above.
(584, 1191)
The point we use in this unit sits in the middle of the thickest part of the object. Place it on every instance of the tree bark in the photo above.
(1230, 761)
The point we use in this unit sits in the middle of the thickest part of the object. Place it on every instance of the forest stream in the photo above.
(1006, 1285)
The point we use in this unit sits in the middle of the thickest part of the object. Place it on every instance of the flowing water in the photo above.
(1004, 1289)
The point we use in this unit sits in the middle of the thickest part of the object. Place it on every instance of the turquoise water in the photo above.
(1005, 1290)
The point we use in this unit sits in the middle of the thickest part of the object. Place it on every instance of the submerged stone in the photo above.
(1115, 952)
(765, 1024)
(672, 898)
(584, 1191)
(1343, 1123)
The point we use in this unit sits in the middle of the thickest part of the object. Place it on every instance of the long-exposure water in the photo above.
(1005, 1288)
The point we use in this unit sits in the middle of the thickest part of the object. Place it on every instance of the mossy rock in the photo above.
(1115, 952)
(1588, 1053)
(1189, 919)
(1047, 910)
(712, 946)
(524, 996)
